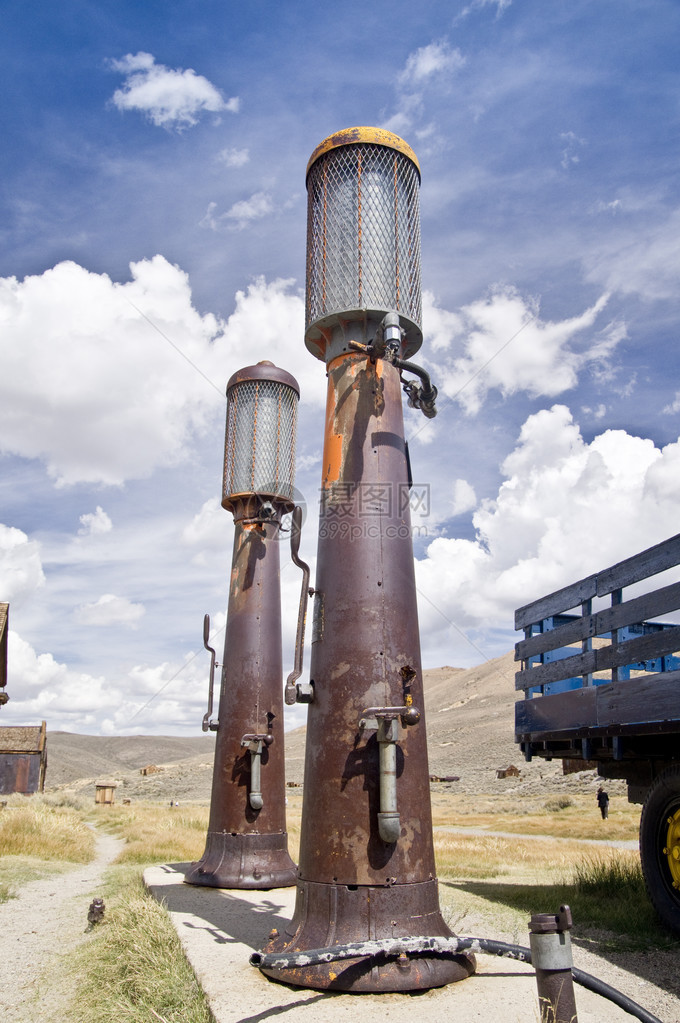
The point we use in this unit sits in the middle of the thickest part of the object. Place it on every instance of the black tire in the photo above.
(660, 846)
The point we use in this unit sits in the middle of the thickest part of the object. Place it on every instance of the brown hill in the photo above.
(470, 721)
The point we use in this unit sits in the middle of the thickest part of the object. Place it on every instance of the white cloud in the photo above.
(41, 687)
(615, 206)
(596, 413)
(21, 572)
(464, 497)
(93, 382)
(565, 508)
(242, 213)
(110, 610)
(170, 98)
(642, 255)
(439, 325)
(210, 531)
(572, 143)
(427, 68)
(208, 219)
(268, 323)
(434, 59)
(509, 348)
(232, 157)
(674, 406)
(500, 5)
(95, 523)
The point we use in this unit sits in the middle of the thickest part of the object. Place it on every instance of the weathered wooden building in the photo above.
(23, 758)
(105, 792)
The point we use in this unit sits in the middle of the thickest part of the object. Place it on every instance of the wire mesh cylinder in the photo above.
(259, 449)
(363, 232)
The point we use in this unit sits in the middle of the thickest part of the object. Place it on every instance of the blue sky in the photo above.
(153, 241)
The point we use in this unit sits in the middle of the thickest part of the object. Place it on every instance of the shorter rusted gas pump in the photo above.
(247, 844)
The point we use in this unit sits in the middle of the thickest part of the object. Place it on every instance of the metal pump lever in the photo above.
(254, 744)
(295, 690)
(208, 725)
(384, 719)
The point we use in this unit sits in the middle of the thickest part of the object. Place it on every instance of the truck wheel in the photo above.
(660, 846)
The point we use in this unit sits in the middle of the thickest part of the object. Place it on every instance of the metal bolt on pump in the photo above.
(247, 843)
(367, 867)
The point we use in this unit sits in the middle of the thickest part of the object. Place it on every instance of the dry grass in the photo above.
(134, 968)
(40, 836)
(460, 857)
(157, 833)
(33, 827)
(533, 815)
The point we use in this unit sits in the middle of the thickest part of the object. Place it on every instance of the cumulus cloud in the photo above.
(110, 610)
(551, 521)
(107, 382)
(95, 523)
(268, 322)
(508, 347)
(209, 531)
(21, 571)
(464, 497)
(170, 98)
(169, 697)
(104, 381)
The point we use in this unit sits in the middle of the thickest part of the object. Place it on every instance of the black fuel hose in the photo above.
(441, 947)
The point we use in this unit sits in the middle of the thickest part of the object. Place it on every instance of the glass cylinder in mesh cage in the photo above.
(363, 231)
(259, 448)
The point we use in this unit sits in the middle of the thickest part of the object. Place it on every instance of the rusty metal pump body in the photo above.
(247, 844)
(367, 867)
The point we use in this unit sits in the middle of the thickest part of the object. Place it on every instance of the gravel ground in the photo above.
(39, 928)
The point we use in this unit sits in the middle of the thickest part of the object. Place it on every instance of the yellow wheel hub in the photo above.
(672, 848)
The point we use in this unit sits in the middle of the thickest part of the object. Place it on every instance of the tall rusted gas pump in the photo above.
(367, 866)
(247, 843)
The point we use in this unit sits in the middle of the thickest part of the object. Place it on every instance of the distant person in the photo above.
(603, 802)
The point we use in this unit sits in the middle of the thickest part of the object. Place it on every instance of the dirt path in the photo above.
(46, 921)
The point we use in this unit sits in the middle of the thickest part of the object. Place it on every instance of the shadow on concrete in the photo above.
(228, 916)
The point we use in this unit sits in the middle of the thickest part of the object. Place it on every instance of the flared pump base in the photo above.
(244, 861)
(335, 914)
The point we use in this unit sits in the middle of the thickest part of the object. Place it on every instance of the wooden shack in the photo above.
(4, 630)
(105, 792)
(23, 758)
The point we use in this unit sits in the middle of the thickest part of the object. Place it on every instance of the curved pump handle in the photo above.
(291, 690)
(207, 725)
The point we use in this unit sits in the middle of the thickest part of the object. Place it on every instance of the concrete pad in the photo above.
(220, 928)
